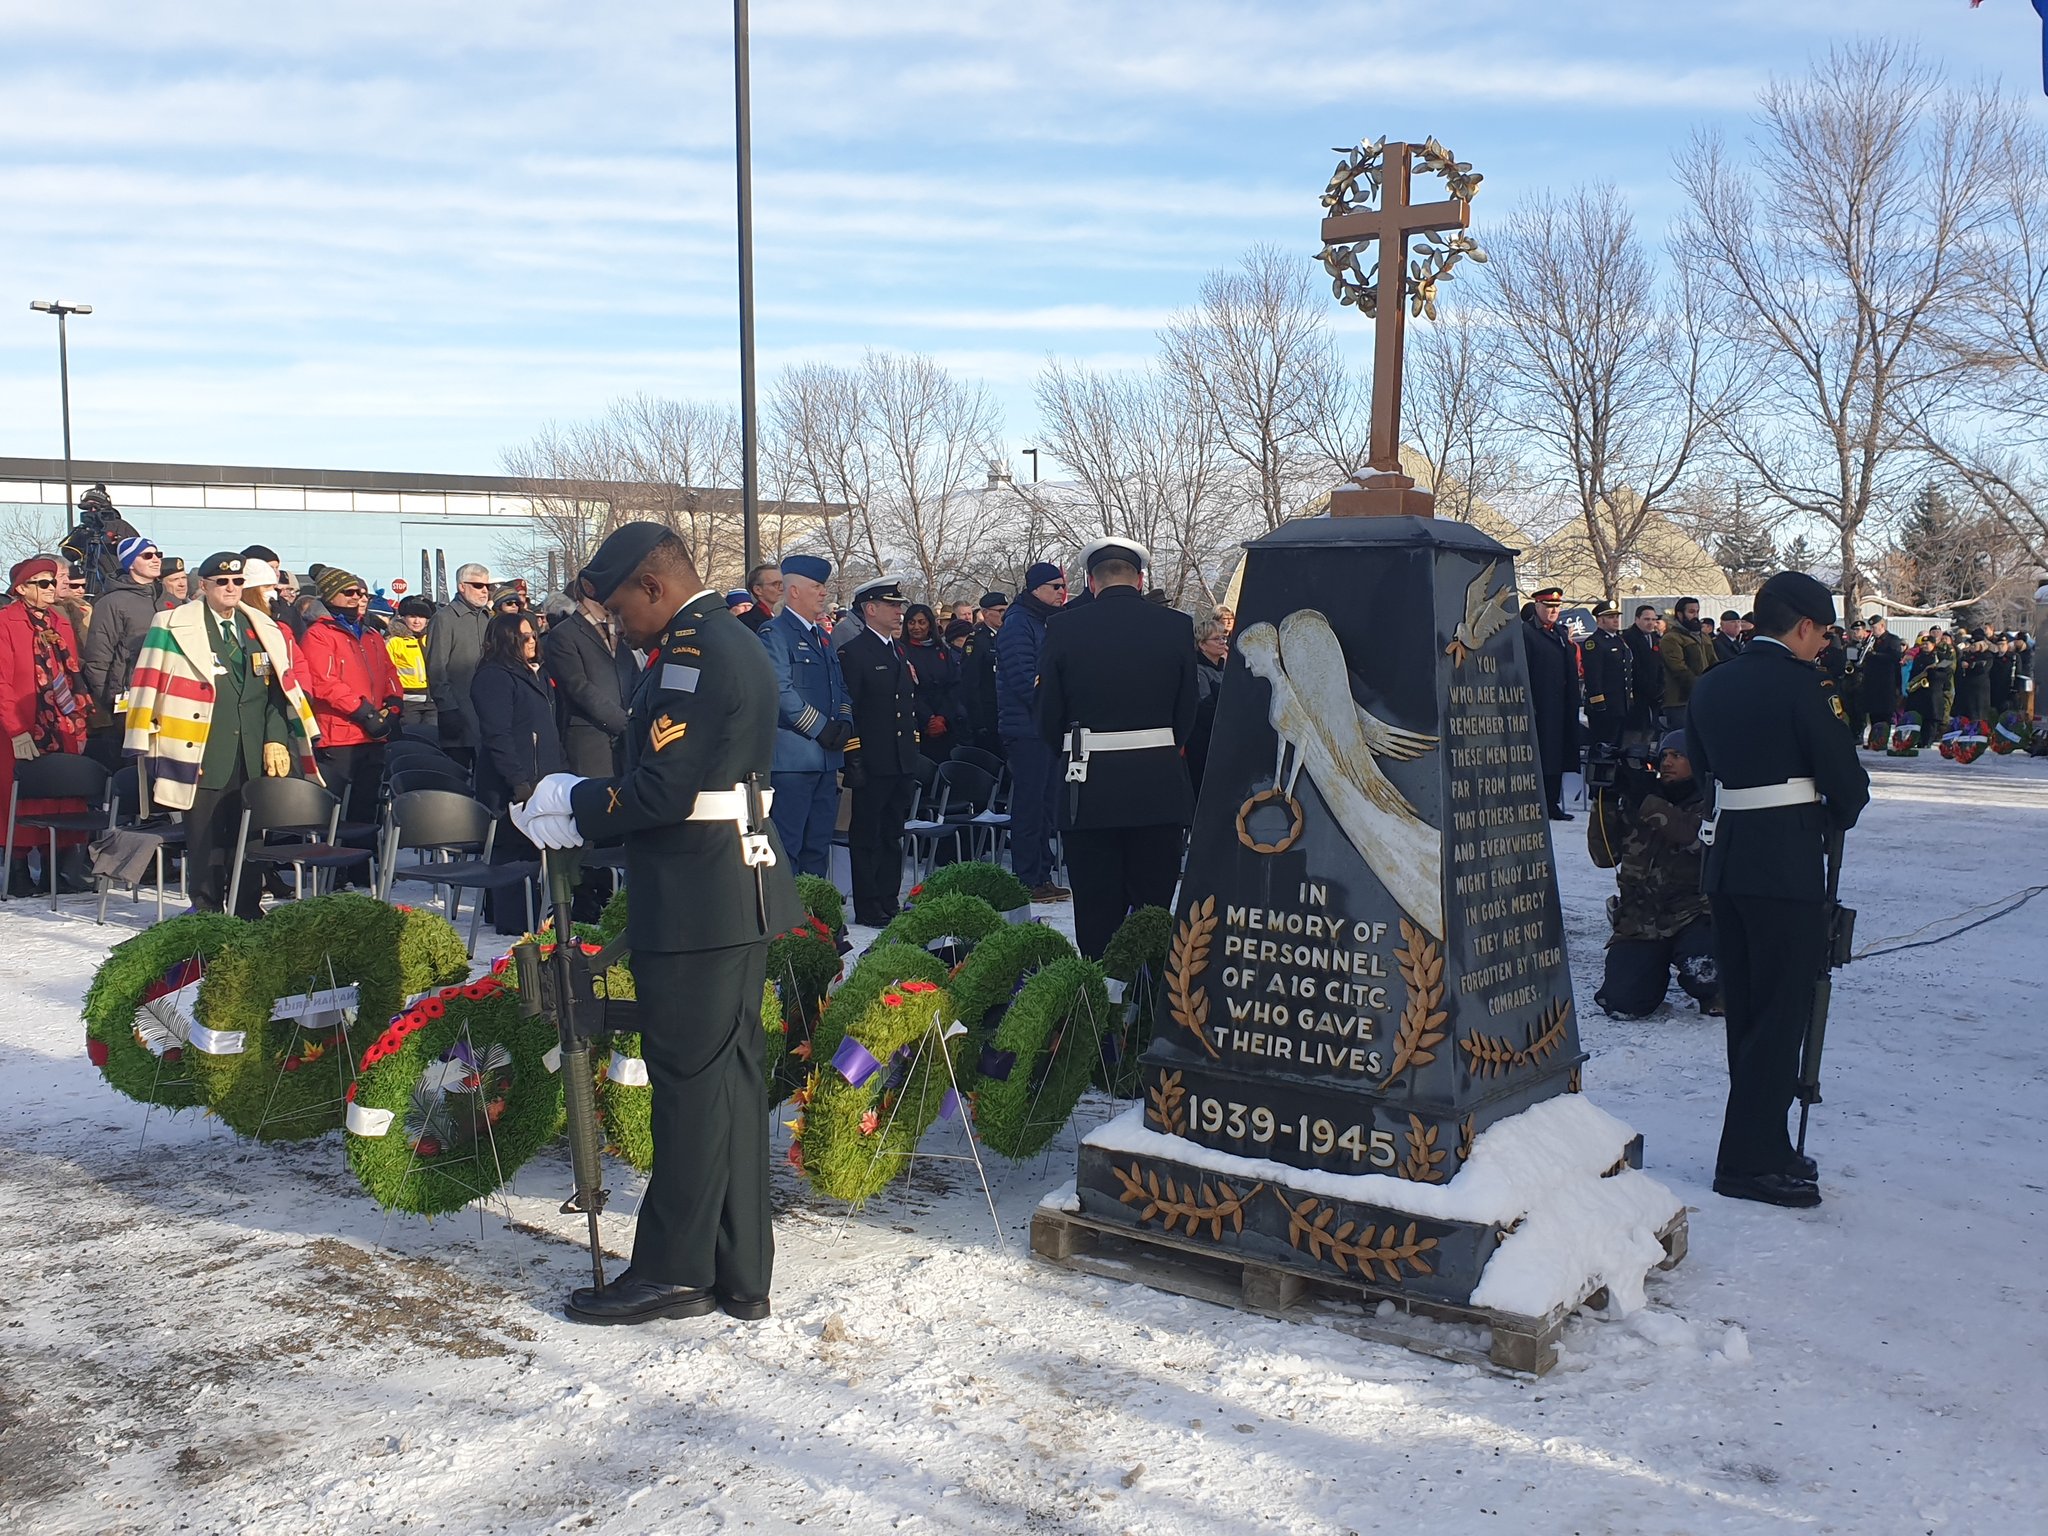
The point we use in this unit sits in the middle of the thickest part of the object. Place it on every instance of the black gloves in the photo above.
(375, 723)
(835, 735)
(852, 774)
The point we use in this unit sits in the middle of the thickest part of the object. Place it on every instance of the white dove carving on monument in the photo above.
(1484, 618)
(1328, 733)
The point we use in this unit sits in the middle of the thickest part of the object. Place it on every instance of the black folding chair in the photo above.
(56, 776)
(972, 789)
(124, 814)
(457, 834)
(294, 807)
(403, 781)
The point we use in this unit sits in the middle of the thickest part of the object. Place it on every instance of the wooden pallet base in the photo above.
(1525, 1346)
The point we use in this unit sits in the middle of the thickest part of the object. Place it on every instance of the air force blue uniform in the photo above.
(806, 773)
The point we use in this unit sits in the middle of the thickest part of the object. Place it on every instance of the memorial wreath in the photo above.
(949, 925)
(1135, 965)
(1035, 1068)
(138, 1010)
(991, 882)
(891, 1074)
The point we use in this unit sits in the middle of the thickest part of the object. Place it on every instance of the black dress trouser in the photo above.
(705, 1219)
(1115, 871)
(874, 845)
(211, 826)
(1769, 952)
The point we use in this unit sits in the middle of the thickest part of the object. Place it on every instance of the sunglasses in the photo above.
(41, 581)
(350, 592)
(481, 586)
(1057, 586)
(226, 581)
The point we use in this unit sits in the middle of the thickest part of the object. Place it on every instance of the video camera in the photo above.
(88, 546)
(1628, 769)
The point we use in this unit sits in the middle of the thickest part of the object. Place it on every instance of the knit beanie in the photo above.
(1040, 574)
(128, 551)
(333, 579)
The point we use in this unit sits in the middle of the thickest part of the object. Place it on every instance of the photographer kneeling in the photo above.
(1646, 826)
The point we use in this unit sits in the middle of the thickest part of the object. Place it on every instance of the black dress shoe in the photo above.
(1803, 1167)
(745, 1310)
(1769, 1188)
(631, 1300)
(1558, 813)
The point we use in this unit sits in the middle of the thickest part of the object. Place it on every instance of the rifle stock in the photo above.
(1841, 932)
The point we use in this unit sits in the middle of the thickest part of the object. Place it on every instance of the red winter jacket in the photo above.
(341, 673)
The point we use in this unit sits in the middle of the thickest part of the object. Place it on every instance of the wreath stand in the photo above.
(465, 1050)
(954, 1106)
(181, 1016)
(341, 1021)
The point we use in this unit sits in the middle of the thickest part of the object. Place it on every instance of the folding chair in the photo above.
(403, 781)
(56, 776)
(973, 789)
(124, 814)
(451, 827)
(293, 806)
(942, 812)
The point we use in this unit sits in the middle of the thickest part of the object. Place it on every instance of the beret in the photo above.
(221, 563)
(618, 557)
(1802, 594)
(173, 565)
(993, 600)
(810, 567)
(1127, 550)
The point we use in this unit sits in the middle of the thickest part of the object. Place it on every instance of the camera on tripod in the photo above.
(1609, 766)
(91, 543)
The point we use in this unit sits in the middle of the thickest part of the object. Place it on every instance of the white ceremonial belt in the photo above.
(727, 805)
(1766, 797)
(1120, 741)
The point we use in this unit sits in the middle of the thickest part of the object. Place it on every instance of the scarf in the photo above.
(1031, 602)
(60, 707)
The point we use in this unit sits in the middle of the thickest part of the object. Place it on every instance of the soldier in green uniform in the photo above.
(710, 886)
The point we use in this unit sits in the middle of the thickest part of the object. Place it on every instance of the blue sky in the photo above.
(406, 235)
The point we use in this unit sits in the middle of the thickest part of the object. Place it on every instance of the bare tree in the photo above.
(1452, 412)
(1612, 381)
(1148, 469)
(1841, 254)
(1256, 352)
(1995, 435)
(903, 446)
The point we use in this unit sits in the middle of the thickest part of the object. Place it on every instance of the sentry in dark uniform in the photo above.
(1785, 776)
(1553, 693)
(1116, 698)
(881, 755)
(1610, 677)
(710, 885)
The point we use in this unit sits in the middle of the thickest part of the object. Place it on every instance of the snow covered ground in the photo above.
(206, 1336)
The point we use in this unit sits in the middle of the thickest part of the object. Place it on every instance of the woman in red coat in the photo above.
(356, 697)
(43, 703)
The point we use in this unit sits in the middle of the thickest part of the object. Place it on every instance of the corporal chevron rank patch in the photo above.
(664, 731)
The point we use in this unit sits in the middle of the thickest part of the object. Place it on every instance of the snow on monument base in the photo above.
(1545, 1211)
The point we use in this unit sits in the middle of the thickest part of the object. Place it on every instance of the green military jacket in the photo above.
(248, 703)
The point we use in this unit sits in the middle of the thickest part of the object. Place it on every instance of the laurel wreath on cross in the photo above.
(1355, 184)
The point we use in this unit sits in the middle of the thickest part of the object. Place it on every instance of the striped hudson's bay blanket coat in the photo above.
(170, 702)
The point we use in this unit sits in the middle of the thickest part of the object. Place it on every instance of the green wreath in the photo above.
(1044, 1051)
(991, 882)
(880, 967)
(611, 922)
(1136, 957)
(272, 1081)
(626, 1107)
(962, 918)
(998, 967)
(802, 964)
(455, 1095)
(133, 1033)
(859, 1119)
(822, 900)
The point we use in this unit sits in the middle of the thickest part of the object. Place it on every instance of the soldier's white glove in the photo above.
(546, 816)
(550, 831)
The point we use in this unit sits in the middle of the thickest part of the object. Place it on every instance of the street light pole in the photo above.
(63, 312)
(1032, 454)
(750, 475)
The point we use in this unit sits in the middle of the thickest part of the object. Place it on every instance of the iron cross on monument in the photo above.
(1393, 291)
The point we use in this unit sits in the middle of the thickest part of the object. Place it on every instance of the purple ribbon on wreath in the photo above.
(855, 1062)
(997, 1064)
(949, 1106)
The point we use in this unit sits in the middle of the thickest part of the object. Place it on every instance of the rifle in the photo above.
(1841, 923)
(567, 992)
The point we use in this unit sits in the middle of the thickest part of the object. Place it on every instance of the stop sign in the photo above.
(398, 585)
